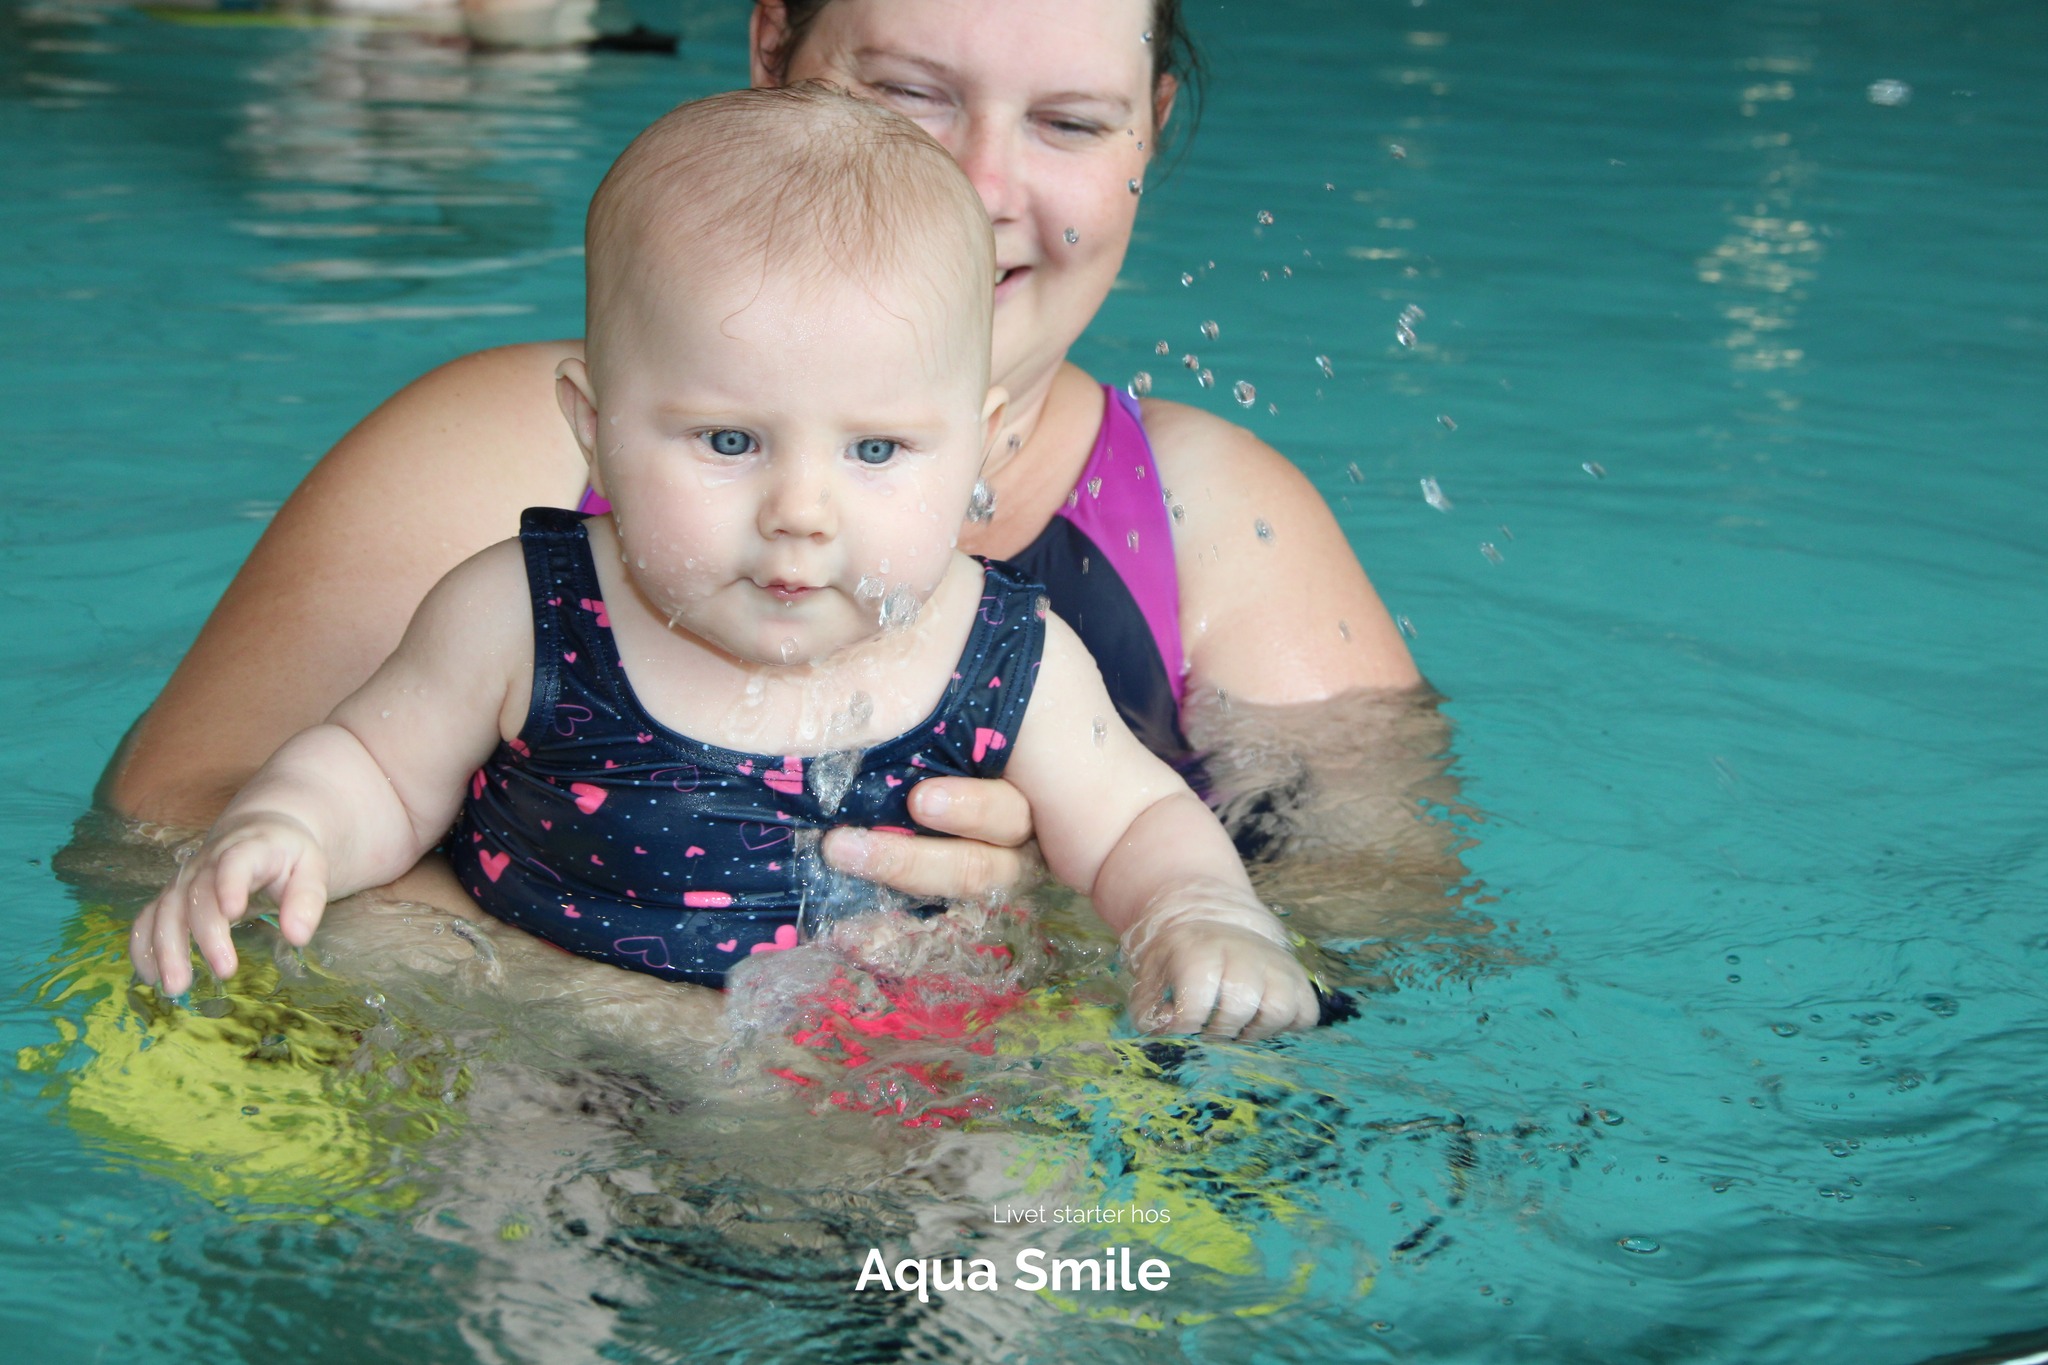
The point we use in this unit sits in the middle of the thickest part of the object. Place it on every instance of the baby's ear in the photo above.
(993, 409)
(579, 405)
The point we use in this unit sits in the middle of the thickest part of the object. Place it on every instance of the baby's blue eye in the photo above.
(875, 450)
(730, 442)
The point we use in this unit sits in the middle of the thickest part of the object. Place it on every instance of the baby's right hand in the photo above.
(259, 852)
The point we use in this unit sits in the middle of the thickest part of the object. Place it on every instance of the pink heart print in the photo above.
(494, 864)
(727, 946)
(891, 780)
(706, 900)
(648, 948)
(759, 837)
(788, 779)
(785, 939)
(588, 798)
(569, 657)
(693, 852)
(593, 604)
(985, 740)
(476, 785)
(746, 769)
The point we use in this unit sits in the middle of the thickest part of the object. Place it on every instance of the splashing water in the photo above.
(1191, 361)
(1265, 218)
(1209, 330)
(1206, 379)
(1245, 394)
(1161, 348)
(1323, 364)
(1141, 384)
(1889, 92)
(1595, 468)
(1444, 420)
(1357, 474)
(1493, 556)
(1186, 279)
(1434, 496)
(831, 776)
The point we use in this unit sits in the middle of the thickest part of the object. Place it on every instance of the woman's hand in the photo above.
(991, 822)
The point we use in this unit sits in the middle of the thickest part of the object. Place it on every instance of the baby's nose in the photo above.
(800, 504)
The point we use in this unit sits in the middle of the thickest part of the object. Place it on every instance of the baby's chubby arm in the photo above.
(1115, 821)
(354, 801)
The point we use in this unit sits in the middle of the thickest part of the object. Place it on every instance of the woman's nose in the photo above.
(988, 151)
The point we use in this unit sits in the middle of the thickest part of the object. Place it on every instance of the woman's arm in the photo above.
(437, 473)
(1280, 616)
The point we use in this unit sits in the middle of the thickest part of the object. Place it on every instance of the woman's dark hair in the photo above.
(1173, 54)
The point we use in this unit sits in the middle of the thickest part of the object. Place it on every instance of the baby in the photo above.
(635, 722)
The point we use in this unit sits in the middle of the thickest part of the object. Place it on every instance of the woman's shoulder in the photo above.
(1209, 462)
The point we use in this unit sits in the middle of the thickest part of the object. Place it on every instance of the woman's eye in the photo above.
(729, 442)
(875, 450)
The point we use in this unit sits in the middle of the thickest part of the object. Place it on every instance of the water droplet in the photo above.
(1193, 362)
(1413, 314)
(1608, 1117)
(1344, 629)
(1264, 531)
(1132, 540)
(1889, 92)
(1785, 1030)
(899, 609)
(1245, 394)
(1265, 218)
(1839, 1148)
(1041, 606)
(1206, 379)
(1179, 512)
(1405, 626)
(1446, 422)
(1434, 496)
(1943, 1006)
(1101, 731)
(1288, 271)
(869, 589)
(1209, 330)
(374, 1000)
(1141, 384)
(1594, 468)
(1071, 235)
(981, 503)
(1186, 279)
(1323, 364)
(1397, 151)
(1265, 276)
(1492, 555)
(1135, 187)
(787, 649)
(1329, 185)
(1641, 1246)
(1095, 487)
(1148, 35)
(1506, 534)
(1404, 334)
(1357, 474)
(1273, 408)
(1161, 348)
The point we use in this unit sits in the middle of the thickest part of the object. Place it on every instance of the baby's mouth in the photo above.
(787, 593)
(1009, 275)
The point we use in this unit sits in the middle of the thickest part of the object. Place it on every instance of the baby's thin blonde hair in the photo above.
(802, 178)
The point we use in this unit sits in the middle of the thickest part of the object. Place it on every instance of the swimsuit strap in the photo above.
(1120, 506)
(575, 661)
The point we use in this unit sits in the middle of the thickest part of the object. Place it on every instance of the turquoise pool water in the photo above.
(1748, 727)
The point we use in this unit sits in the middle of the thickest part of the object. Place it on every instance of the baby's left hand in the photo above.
(1212, 965)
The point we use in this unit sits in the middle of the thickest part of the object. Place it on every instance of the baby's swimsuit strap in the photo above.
(605, 833)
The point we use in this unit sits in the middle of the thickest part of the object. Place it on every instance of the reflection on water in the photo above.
(614, 1170)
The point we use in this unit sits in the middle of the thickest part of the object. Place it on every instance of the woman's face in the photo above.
(1048, 105)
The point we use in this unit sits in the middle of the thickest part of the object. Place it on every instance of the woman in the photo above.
(1054, 109)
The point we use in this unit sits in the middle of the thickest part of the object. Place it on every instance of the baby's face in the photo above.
(785, 456)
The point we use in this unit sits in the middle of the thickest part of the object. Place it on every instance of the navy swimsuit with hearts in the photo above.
(608, 835)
